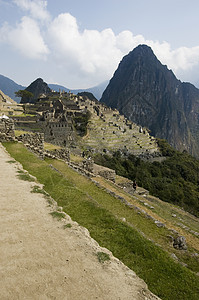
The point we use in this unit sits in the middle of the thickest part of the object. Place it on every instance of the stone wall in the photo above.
(104, 172)
(6, 130)
(91, 167)
(60, 133)
(34, 142)
(63, 154)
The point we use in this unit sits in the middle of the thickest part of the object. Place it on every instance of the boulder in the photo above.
(180, 243)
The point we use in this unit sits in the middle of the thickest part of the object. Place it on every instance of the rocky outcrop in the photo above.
(180, 243)
(149, 94)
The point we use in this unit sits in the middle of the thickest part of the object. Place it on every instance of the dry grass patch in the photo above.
(51, 147)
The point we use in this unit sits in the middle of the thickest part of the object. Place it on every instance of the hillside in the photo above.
(89, 128)
(138, 229)
(85, 124)
(174, 180)
(55, 259)
(157, 240)
(149, 94)
(108, 131)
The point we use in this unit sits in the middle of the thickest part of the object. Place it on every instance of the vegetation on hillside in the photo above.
(175, 180)
(101, 214)
(80, 123)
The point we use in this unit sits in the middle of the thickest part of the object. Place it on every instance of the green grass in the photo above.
(51, 147)
(19, 132)
(58, 215)
(100, 213)
(24, 176)
(67, 226)
(37, 189)
(102, 257)
(11, 161)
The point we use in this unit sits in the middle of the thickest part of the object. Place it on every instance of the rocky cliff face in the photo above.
(37, 88)
(147, 93)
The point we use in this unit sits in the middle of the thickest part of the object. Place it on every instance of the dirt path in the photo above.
(39, 259)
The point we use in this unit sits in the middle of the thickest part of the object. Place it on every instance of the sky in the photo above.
(79, 43)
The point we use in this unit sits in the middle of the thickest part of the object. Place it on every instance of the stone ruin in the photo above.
(63, 154)
(34, 142)
(6, 129)
(104, 172)
(96, 170)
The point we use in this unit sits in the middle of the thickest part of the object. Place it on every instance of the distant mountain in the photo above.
(149, 94)
(96, 90)
(57, 87)
(9, 87)
(37, 87)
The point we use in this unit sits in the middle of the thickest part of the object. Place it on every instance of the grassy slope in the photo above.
(98, 211)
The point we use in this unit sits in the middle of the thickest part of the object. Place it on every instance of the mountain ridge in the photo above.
(9, 87)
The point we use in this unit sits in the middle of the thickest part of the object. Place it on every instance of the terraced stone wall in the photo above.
(6, 130)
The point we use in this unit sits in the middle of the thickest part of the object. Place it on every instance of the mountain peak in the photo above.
(142, 49)
(149, 94)
(37, 87)
(140, 52)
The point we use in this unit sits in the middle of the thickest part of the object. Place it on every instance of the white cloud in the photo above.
(182, 58)
(87, 56)
(90, 52)
(97, 54)
(25, 38)
(37, 8)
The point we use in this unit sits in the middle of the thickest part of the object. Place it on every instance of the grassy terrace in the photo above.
(101, 214)
(101, 135)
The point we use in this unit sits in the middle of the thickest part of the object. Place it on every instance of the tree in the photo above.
(24, 94)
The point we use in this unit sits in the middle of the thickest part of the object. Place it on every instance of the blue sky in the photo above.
(79, 43)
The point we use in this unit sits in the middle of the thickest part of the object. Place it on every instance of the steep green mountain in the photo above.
(149, 94)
